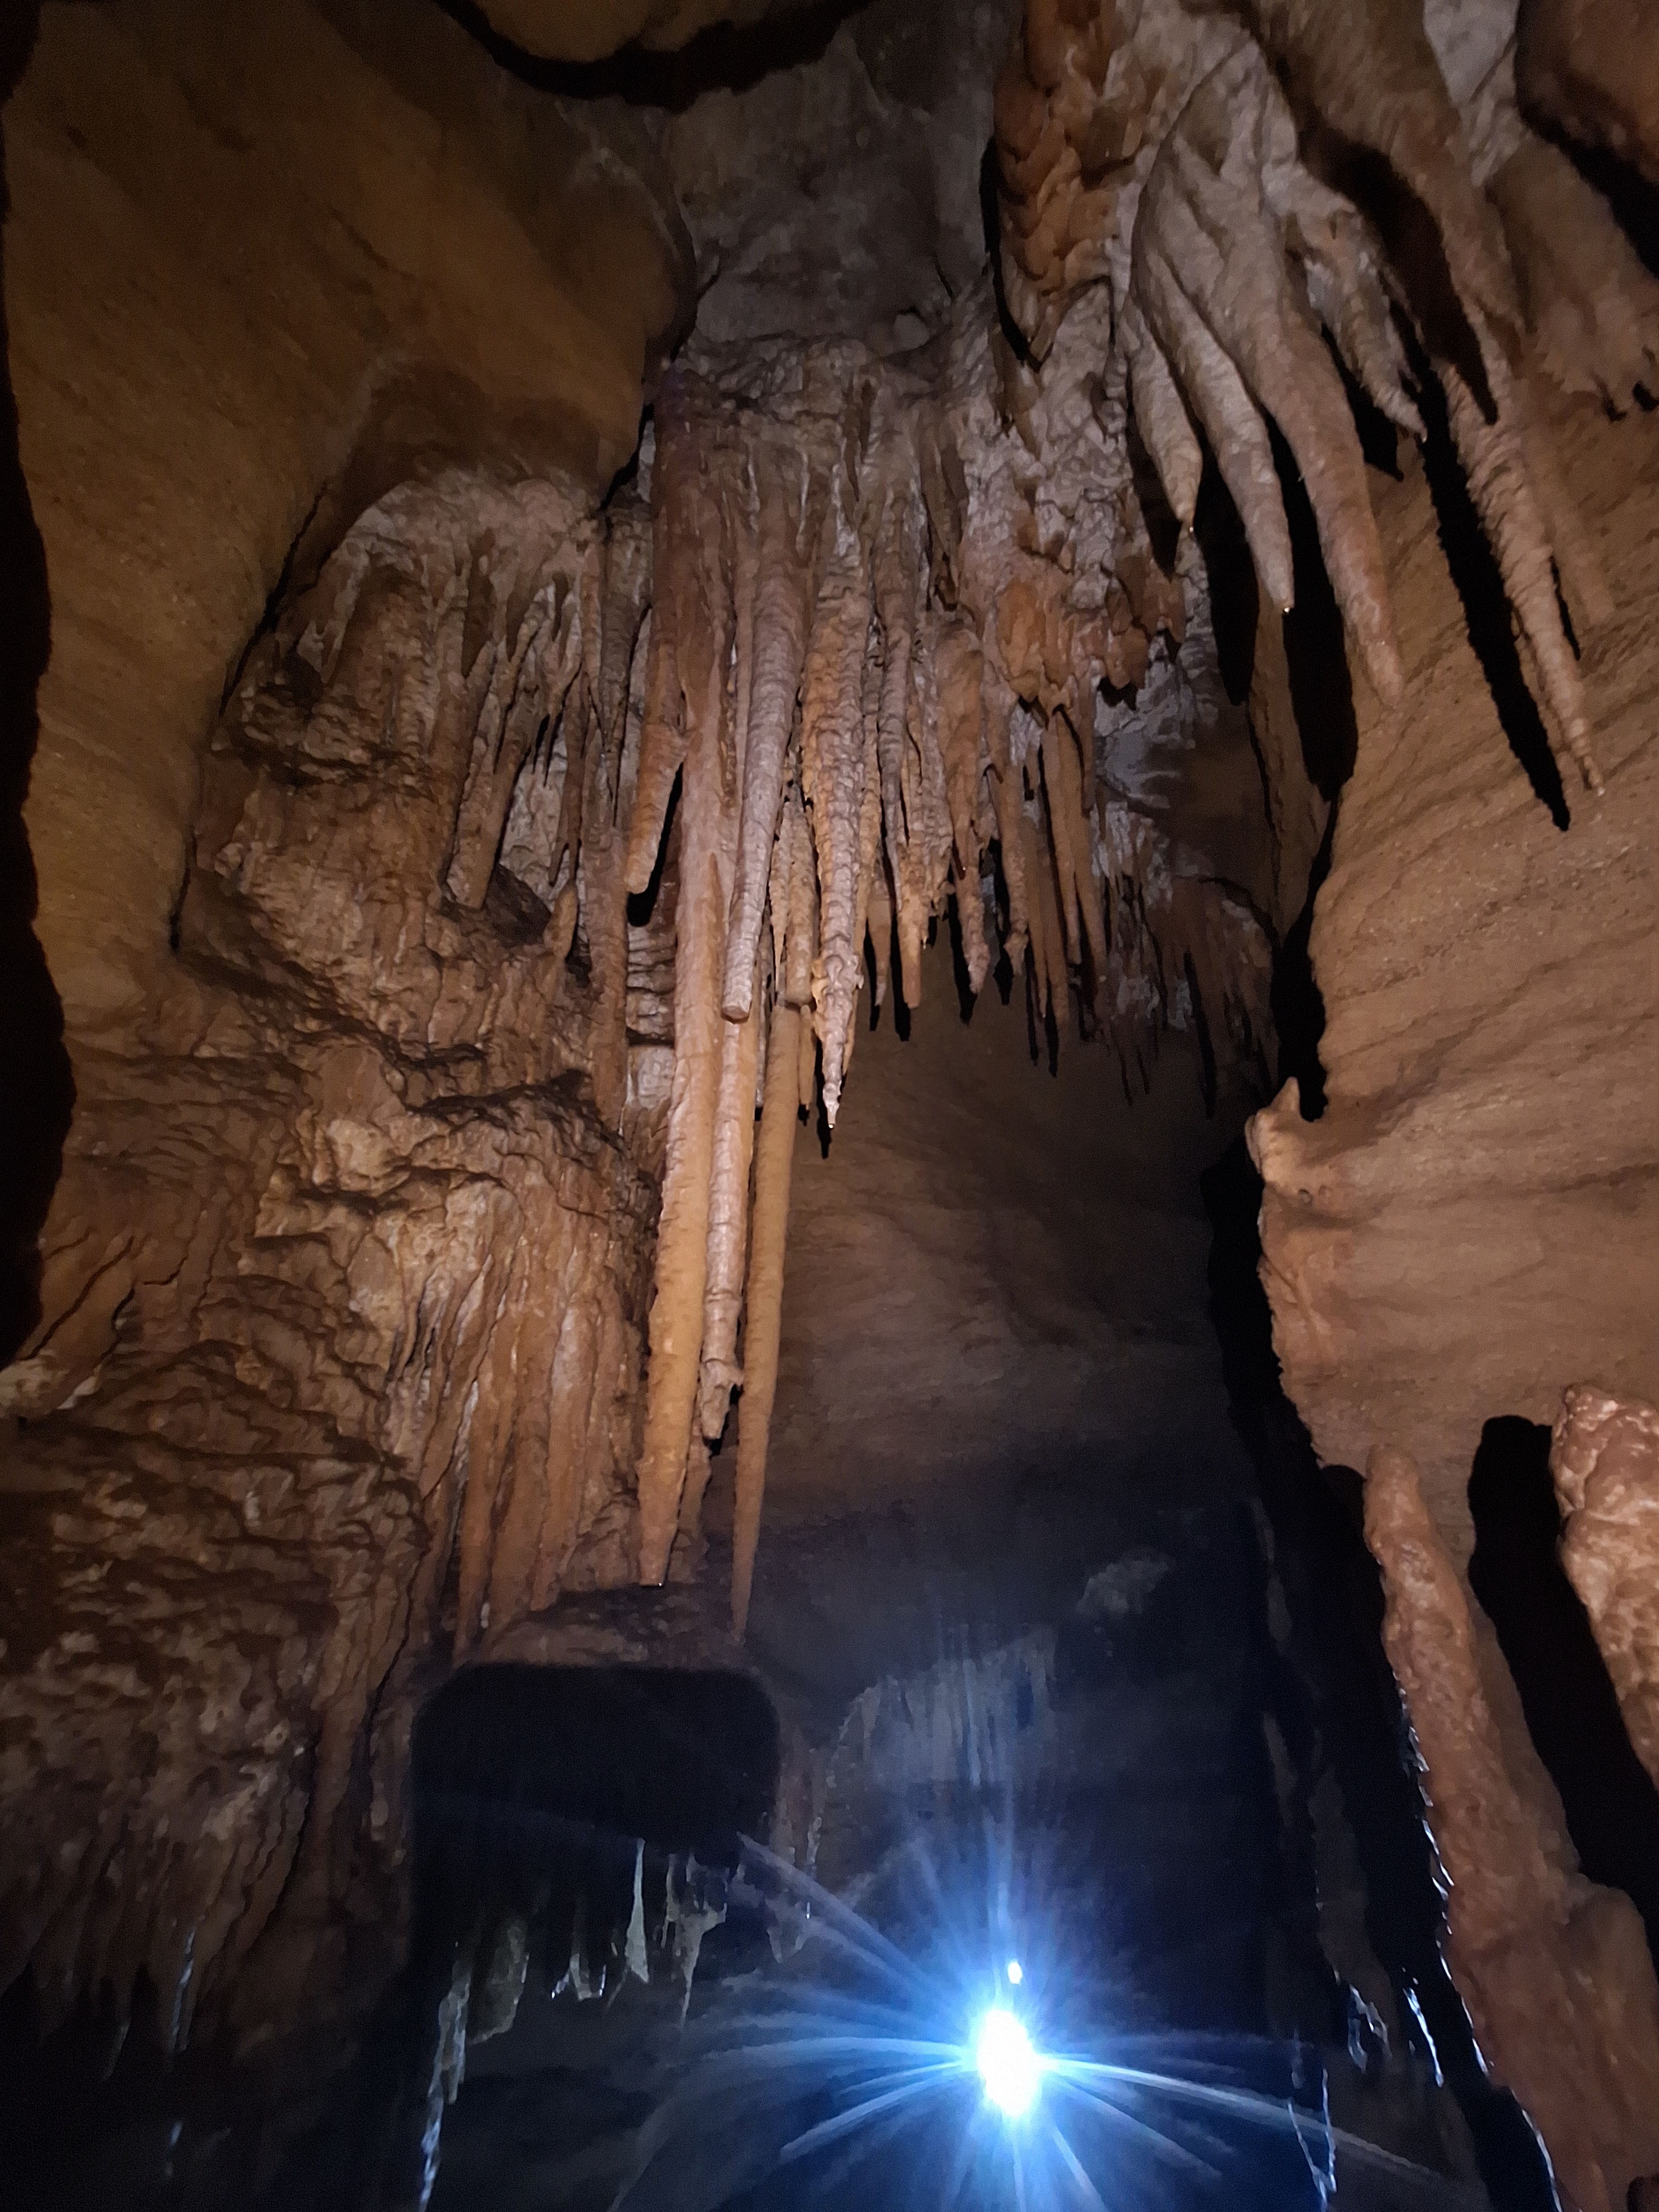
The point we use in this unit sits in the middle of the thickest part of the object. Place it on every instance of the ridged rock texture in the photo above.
(426, 1202)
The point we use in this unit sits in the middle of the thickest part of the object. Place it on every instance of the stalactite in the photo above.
(790, 523)
(832, 758)
(1148, 152)
(774, 1157)
(1494, 462)
(961, 742)
(884, 595)
(1212, 279)
(663, 733)
(880, 932)
(698, 592)
(728, 1217)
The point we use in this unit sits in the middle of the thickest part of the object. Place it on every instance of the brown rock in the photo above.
(1425, 1241)
(1590, 68)
(1604, 1456)
(1554, 1969)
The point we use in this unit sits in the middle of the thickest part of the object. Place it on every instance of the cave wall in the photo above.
(323, 1243)
(969, 1249)
(1472, 1223)
(254, 284)
(1470, 1228)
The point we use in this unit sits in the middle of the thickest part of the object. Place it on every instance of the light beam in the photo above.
(1008, 2066)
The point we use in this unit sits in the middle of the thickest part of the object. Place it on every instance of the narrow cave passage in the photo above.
(1017, 1593)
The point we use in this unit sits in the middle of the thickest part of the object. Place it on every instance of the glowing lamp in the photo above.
(1008, 2066)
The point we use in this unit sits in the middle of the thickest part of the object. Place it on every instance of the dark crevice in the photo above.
(1480, 584)
(38, 1093)
(1235, 595)
(1298, 1002)
(1350, 1714)
(725, 57)
(1571, 1706)
(990, 210)
(1316, 650)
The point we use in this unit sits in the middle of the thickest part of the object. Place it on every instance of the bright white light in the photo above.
(1016, 1972)
(1008, 2066)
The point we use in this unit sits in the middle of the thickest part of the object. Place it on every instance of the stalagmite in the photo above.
(774, 1157)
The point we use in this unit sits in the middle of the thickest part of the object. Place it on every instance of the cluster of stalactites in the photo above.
(1155, 147)
(831, 697)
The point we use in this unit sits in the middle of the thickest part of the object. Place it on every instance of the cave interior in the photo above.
(829, 1272)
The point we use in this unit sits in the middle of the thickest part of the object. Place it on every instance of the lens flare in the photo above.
(1008, 2066)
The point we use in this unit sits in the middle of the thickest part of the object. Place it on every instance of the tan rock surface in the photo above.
(1474, 1223)
(255, 282)
(1604, 1456)
(363, 1261)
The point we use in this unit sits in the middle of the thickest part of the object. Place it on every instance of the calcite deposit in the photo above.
(1604, 1456)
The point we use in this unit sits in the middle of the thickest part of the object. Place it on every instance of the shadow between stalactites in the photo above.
(1335, 1698)
(1321, 701)
(1480, 584)
(1570, 1706)
(39, 1095)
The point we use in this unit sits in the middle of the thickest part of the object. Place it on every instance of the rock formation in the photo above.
(1605, 1459)
(1588, 67)
(1555, 1970)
